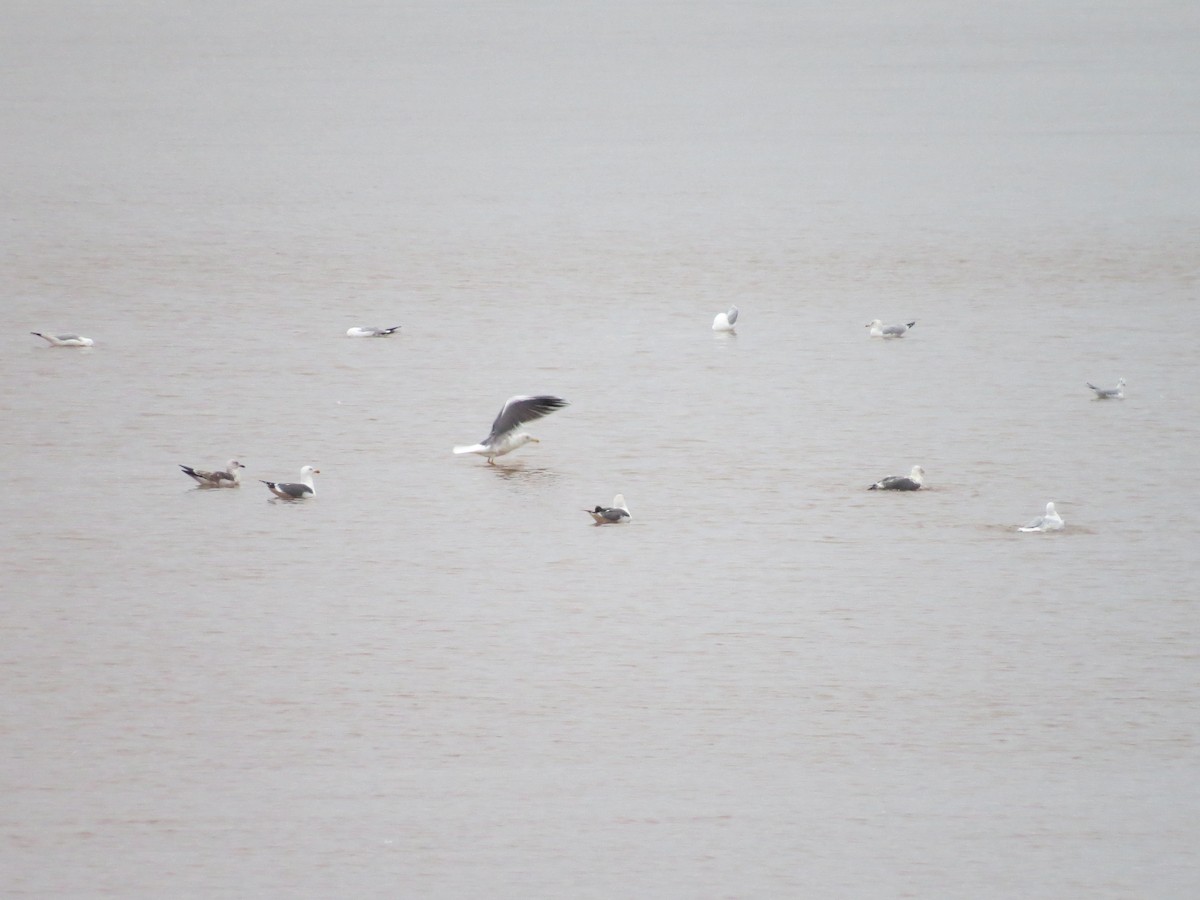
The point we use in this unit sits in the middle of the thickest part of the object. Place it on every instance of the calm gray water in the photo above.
(438, 679)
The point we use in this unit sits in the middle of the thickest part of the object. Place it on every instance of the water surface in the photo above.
(438, 679)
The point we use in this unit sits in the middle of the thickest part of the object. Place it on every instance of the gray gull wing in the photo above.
(294, 491)
(521, 409)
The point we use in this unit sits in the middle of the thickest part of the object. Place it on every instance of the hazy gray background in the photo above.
(439, 679)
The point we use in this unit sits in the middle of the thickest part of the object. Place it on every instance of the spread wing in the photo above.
(521, 409)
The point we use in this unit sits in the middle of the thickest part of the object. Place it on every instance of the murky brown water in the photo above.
(439, 679)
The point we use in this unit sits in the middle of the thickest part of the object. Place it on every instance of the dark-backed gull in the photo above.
(289, 491)
(611, 515)
(910, 482)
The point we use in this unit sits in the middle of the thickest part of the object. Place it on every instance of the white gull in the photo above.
(878, 329)
(1112, 393)
(504, 437)
(1050, 521)
(64, 340)
(725, 321)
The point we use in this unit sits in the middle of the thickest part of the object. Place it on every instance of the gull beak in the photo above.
(316, 471)
(536, 440)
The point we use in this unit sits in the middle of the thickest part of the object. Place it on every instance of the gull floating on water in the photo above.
(1051, 521)
(1112, 393)
(290, 491)
(878, 329)
(910, 482)
(724, 321)
(64, 340)
(516, 411)
(370, 331)
(611, 515)
(230, 478)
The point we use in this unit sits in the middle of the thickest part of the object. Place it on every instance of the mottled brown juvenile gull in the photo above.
(504, 437)
(878, 329)
(611, 515)
(230, 478)
(291, 491)
(910, 482)
(64, 340)
(370, 331)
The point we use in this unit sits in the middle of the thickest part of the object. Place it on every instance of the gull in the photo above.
(64, 340)
(1051, 521)
(878, 329)
(611, 515)
(370, 331)
(516, 411)
(724, 321)
(230, 478)
(910, 482)
(289, 491)
(1112, 393)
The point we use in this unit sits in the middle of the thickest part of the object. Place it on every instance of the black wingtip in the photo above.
(548, 403)
(912, 323)
(873, 487)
